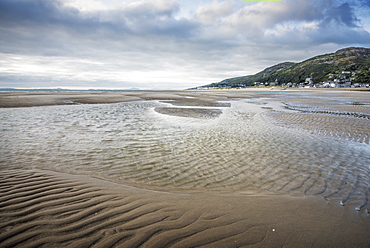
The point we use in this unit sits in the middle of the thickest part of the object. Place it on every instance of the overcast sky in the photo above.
(166, 44)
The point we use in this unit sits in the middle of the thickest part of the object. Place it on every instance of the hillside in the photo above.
(348, 67)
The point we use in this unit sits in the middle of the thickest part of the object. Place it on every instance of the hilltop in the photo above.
(348, 67)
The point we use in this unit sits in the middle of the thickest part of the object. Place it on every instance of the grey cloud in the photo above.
(142, 19)
(56, 26)
(358, 3)
(210, 12)
(303, 10)
(50, 28)
(293, 22)
(325, 12)
(44, 27)
(350, 37)
(342, 15)
(40, 12)
(146, 18)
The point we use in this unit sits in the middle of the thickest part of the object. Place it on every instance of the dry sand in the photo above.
(40, 208)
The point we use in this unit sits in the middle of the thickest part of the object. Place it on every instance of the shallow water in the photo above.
(252, 147)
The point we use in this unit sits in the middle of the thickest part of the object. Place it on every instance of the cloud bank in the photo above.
(157, 44)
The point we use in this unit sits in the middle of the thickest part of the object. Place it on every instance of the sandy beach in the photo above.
(48, 209)
(189, 206)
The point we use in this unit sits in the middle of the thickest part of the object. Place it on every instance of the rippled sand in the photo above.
(48, 209)
(218, 169)
(190, 112)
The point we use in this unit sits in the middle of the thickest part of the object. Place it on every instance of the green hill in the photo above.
(347, 67)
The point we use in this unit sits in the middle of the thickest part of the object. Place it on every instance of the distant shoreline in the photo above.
(48, 98)
(278, 88)
(252, 88)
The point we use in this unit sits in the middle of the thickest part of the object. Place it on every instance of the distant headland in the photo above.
(346, 68)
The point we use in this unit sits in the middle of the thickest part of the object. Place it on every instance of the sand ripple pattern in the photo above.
(350, 128)
(38, 209)
(47, 209)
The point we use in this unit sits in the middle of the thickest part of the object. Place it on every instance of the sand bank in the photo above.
(44, 208)
(185, 98)
(28, 99)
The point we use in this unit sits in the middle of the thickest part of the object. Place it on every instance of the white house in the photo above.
(308, 81)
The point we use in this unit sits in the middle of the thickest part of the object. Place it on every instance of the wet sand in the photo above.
(43, 208)
(27, 99)
(185, 112)
(184, 98)
(49, 209)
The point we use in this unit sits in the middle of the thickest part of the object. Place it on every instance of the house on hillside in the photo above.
(276, 83)
(308, 82)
